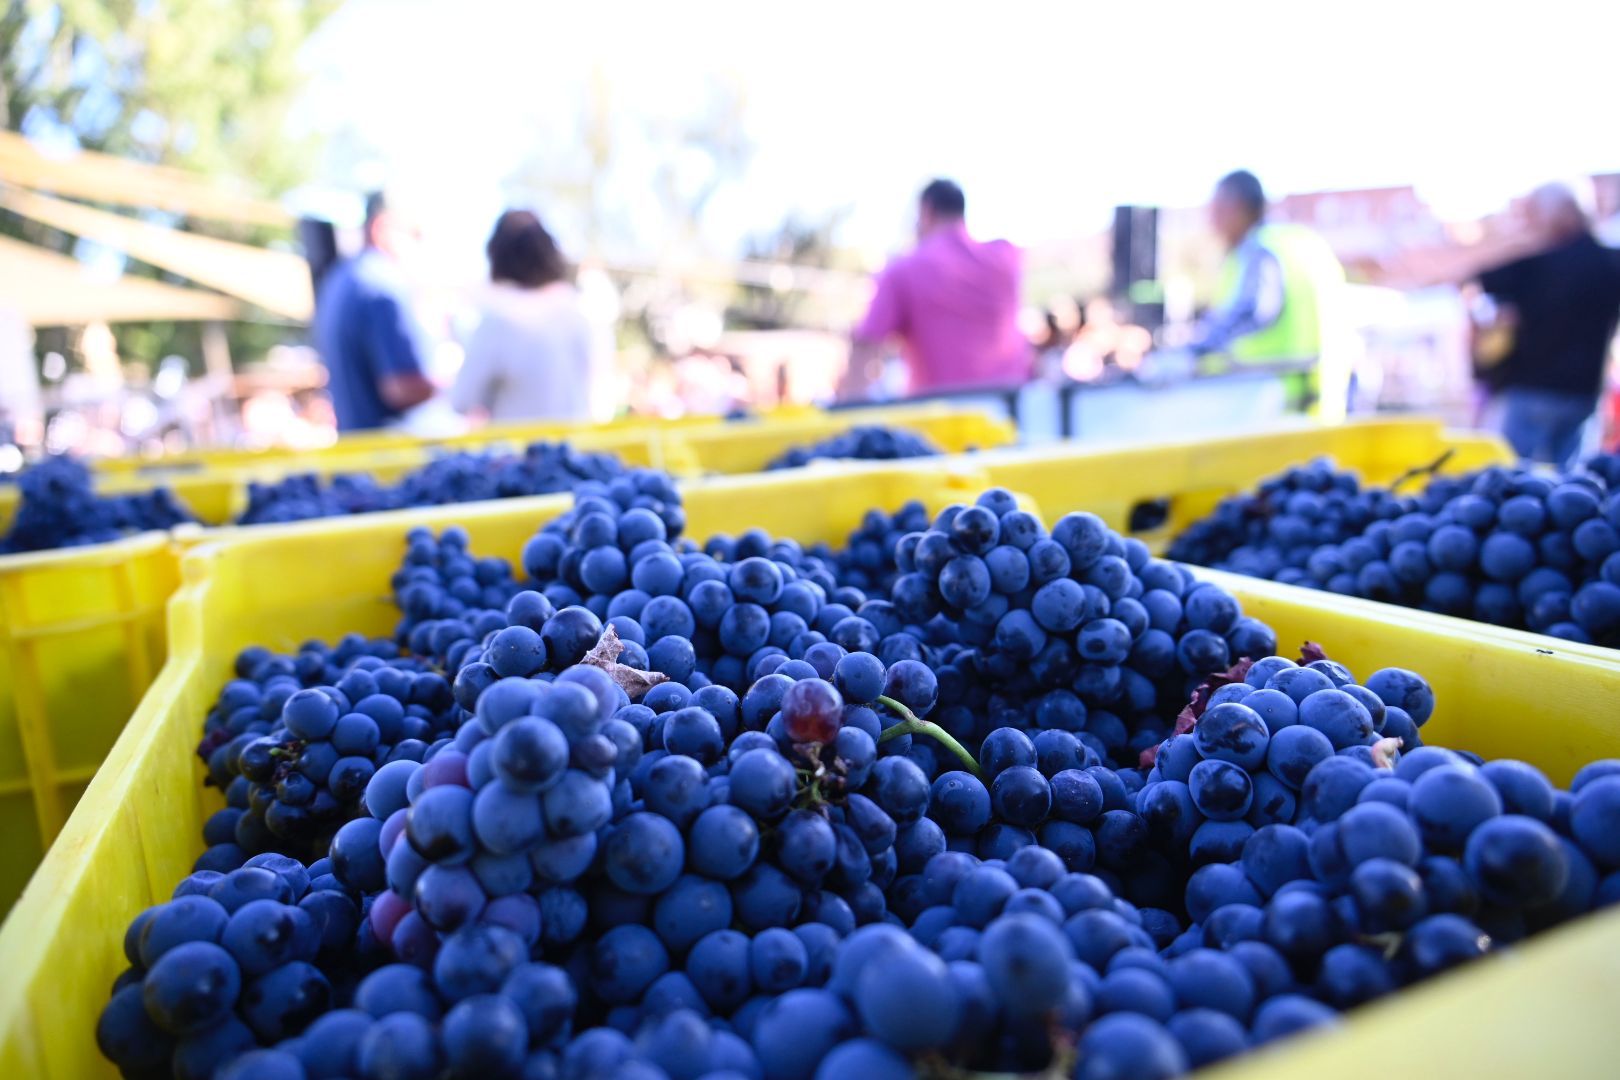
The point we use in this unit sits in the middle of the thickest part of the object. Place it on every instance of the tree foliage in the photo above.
(200, 84)
(203, 84)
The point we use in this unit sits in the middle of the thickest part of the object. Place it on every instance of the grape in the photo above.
(794, 1032)
(812, 711)
(765, 897)
(1339, 716)
(1448, 803)
(1021, 796)
(1026, 961)
(282, 1001)
(693, 732)
(191, 986)
(689, 909)
(1516, 861)
(1076, 796)
(625, 961)
(439, 824)
(1220, 790)
(644, 854)
(1129, 1044)
(960, 802)
(778, 960)
(908, 1000)
(1300, 925)
(763, 783)
(1232, 732)
(1595, 818)
(1388, 894)
(723, 842)
(576, 805)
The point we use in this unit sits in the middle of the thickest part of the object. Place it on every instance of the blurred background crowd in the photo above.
(268, 224)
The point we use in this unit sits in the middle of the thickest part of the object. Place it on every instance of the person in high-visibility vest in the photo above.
(1276, 300)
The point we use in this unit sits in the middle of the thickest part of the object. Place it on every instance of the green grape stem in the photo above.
(910, 725)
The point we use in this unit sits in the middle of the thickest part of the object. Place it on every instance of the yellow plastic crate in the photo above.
(1110, 479)
(81, 637)
(1185, 479)
(218, 493)
(84, 631)
(350, 451)
(749, 445)
(213, 483)
(1541, 1010)
(1191, 476)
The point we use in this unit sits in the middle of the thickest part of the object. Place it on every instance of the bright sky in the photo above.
(1047, 113)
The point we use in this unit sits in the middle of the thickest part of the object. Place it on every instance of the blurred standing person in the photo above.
(952, 302)
(531, 357)
(1273, 298)
(1561, 306)
(365, 331)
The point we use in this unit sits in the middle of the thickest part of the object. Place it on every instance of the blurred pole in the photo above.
(216, 350)
(318, 238)
(22, 418)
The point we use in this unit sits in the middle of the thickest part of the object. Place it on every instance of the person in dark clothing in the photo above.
(1562, 303)
(365, 333)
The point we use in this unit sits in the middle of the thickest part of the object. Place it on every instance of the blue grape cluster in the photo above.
(541, 469)
(865, 442)
(669, 814)
(449, 599)
(236, 960)
(1077, 630)
(1511, 547)
(60, 508)
(1288, 516)
(1080, 630)
(867, 561)
(1243, 757)
(294, 741)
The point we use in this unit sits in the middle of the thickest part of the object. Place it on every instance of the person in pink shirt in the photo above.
(952, 302)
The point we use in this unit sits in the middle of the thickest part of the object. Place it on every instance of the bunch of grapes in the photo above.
(1511, 547)
(865, 442)
(1076, 630)
(60, 508)
(236, 960)
(306, 496)
(1244, 753)
(294, 741)
(1275, 529)
(710, 615)
(868, 559)
(542, 468)
(446, 596)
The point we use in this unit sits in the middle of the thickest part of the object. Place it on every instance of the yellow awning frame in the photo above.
(99, 177)
(49, 289)
(276, 281)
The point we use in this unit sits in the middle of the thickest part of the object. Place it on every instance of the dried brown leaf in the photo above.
(1198, 703)
(605, 655)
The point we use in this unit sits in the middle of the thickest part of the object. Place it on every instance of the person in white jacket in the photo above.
(532, 356)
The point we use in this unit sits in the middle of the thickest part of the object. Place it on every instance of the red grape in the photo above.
(812, 711)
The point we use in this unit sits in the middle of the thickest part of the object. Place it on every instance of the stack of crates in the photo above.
(1538, 1011)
